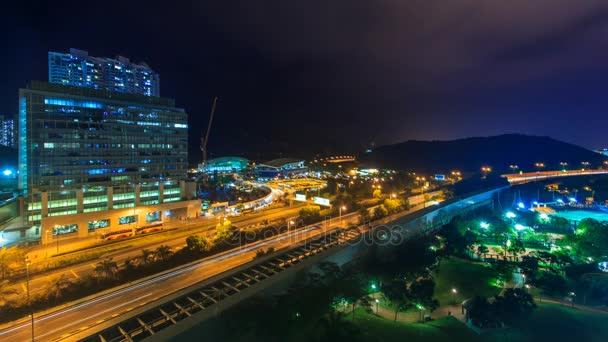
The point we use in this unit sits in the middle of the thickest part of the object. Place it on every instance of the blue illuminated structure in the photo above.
(71, 137)
(79, 69)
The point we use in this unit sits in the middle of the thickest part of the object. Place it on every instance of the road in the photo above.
(39, 283)
(54, 324)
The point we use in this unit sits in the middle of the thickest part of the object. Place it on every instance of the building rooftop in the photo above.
(100, 93)
(282, 161)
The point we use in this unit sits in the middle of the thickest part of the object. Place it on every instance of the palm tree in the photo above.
(132, 263)
(147, 255)
(106, 268)
(5, 290)
(56, 286)
(163, 252)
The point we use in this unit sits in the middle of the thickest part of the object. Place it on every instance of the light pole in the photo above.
(340, 212)
(56, 231)
(454, 292)
(573, 296)
(46, 247)
(27, 282)
(377, 301)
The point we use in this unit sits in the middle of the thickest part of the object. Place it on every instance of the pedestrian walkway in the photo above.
(414, 316)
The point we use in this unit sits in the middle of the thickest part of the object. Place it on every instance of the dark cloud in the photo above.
(344, 72)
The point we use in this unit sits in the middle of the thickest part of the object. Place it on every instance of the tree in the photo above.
(164, 252)
(352, 289)
(131, 264)
(5, 290)
(364, 215)
(310, 214)
(514, 305)
(550, 283)
(392, 205)
(10, 258)
(529, 265)
(198, 244)
(377, 193)
(147, 256)
(590, 239)
(482, 250)
(56, 286)
(421, 292)
(480, 312)
(106, 269)
(380, 212)
(397, 295)
(516, 247)
(224, 232)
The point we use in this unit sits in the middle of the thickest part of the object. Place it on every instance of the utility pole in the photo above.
(29, 303)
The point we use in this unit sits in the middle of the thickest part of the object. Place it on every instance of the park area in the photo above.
(467, 278)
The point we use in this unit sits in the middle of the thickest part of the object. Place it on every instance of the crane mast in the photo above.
(205, 139)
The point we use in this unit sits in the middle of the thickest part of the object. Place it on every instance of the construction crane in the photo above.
(206, 138)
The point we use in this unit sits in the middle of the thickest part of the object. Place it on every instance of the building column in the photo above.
(79, 201)
(161, 195)
(110, 191)
(44, 202)
(137, 191)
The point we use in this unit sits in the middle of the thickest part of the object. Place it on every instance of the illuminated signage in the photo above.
(322, 201)
(300, 197)
(440, 177)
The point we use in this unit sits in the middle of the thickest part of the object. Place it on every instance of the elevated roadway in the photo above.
(525, 177)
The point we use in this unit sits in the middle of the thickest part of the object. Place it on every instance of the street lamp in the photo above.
(289, 225)
(377, 301)
(340, 212)
(454, 292)
(573, 295)
(27, 282)
(56, 231)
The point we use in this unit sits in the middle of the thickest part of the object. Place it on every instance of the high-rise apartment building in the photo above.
(79, 69)
(7, 132)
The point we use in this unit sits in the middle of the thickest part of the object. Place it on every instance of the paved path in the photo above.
(414, 316)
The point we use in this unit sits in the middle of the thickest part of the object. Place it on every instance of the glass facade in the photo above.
(79, 69)
(84, 150)
(70, 141)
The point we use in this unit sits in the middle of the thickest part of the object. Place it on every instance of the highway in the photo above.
(60, 323)
(524, 177)
(39, 283)
(55, 324)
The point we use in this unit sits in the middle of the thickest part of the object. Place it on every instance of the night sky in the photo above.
(337, 75)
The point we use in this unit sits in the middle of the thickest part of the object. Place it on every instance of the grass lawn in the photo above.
(374, 328)
(469, 279)
(552, 322)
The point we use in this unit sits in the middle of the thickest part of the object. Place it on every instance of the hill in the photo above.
(470, 154)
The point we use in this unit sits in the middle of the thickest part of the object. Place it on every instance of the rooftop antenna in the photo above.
(206, 138)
